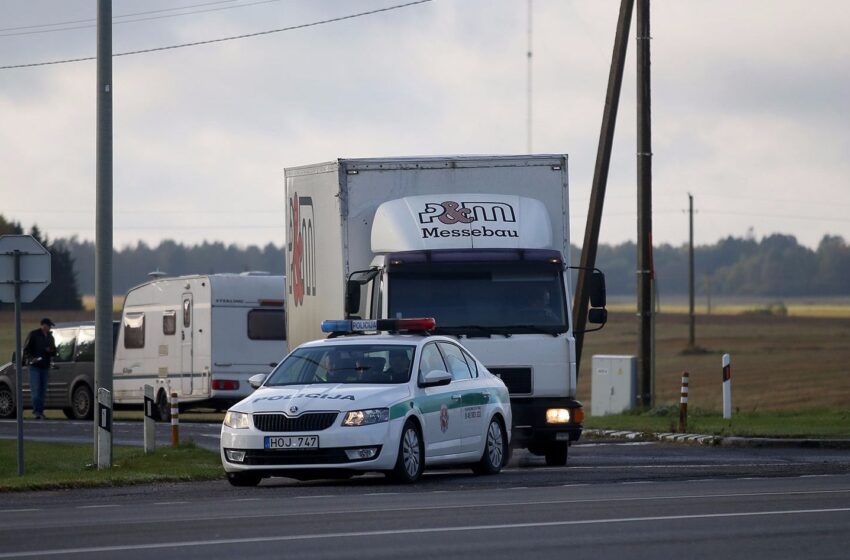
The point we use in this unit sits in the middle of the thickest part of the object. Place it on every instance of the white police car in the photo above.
(393, 403)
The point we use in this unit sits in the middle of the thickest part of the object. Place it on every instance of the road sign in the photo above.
(34, 267)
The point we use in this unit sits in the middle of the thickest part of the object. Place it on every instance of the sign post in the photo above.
(24, 273)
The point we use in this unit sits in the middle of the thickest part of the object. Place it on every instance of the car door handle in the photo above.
(456, 397)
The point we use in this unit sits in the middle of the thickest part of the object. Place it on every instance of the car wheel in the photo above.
(556, 454)
(7, 402)
(243, 478)
(82, 403)
(411, 455)
(495, 449)
(162, 408)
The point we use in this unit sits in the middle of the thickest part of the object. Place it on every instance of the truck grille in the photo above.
(517, 379)
(308, 422)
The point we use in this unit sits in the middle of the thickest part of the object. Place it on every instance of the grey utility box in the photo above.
(613, 384)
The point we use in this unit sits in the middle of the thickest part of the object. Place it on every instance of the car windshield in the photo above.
(356, 363)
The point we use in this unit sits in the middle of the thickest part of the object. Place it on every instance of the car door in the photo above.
(440, 408)
(62, 371)
(472, 399)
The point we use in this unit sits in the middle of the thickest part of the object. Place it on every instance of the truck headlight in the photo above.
(557, 415)
(366, 417)
(236, 420)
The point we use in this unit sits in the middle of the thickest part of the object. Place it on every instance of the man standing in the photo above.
(38, 350)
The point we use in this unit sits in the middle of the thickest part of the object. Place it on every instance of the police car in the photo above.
(394, 403)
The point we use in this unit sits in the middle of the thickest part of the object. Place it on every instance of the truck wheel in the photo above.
(82, 403)
(556, 454)
(495, 449)
(7, 402)
(243, 478)
(162, 408)
(411, 455)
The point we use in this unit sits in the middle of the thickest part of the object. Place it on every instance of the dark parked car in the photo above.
(71, 382)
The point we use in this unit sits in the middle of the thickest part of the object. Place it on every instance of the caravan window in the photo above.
(134, 330)
(267, 324)
(169, 322)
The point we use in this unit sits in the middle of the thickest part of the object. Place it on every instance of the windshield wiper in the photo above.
(477, 331)
(553, 330)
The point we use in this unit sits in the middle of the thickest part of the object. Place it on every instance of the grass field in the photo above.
(779, 363)
(66, 465)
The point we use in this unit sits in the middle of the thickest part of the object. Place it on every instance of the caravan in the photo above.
(199, 336)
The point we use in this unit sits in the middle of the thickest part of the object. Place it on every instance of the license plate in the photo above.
(291, 442)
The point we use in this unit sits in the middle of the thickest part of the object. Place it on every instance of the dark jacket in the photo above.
(39, 349)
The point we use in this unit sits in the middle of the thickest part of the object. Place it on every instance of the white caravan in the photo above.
(199, 336)
(480, 243)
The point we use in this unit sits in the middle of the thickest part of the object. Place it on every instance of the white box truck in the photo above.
(480, 243)
(200, 336)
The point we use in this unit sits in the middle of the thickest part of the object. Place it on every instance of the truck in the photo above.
(480, 243)
(199, 336)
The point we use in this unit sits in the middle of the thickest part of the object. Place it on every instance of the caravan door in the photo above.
(187, 338)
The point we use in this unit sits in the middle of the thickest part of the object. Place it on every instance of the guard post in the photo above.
(175, 421)
(683, 403)
(104, 428)
(150, 424)
(727, 387)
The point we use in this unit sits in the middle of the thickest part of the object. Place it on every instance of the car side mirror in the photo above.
(435, 378)
(256, 381)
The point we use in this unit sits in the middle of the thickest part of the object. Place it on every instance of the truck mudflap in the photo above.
(530, 429)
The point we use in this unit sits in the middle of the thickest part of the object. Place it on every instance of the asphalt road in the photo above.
(614, 500)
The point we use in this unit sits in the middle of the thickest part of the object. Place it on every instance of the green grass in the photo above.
(61, 465)
(790, 424)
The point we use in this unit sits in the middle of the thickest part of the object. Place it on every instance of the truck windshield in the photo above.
(360, 363)
(481, 298)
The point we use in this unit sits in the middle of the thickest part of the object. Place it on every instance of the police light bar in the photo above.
(371, 325)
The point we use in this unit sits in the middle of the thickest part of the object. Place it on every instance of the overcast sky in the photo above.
(750, 101)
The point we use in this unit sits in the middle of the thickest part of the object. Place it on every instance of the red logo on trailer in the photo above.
(302, 249)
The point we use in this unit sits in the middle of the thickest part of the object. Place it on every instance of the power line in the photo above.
(223, 39)
(148, 12)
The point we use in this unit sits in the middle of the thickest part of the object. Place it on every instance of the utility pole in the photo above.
(692, 329)
(600, 175)
(528, 92)
(644, 172)
(103, 235)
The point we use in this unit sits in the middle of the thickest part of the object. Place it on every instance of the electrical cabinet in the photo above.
(613, 384)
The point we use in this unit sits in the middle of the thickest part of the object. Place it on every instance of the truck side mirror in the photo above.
(597, 316)
(596, 287)
(352, 297)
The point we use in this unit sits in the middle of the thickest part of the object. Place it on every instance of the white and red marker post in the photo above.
(727, 387)
(683, 404)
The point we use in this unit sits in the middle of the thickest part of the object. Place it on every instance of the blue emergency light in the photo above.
(340, 326)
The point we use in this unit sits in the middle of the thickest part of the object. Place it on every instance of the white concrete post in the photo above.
(727, 387)
(150, 425)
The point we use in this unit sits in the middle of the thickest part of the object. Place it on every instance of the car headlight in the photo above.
(236, 420)
(366, 417)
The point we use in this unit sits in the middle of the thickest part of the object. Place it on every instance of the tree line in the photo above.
(775, 266)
